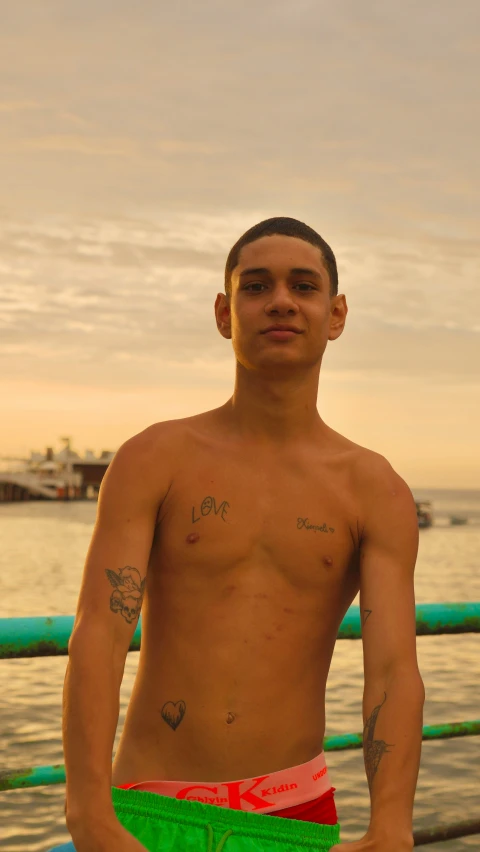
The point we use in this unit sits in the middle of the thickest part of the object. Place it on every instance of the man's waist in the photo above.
(265, 792)
(206, 727)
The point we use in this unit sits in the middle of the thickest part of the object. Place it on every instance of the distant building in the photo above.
(92, 470)
(55, 476)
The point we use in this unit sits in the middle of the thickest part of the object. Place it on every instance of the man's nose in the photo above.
(281, 296)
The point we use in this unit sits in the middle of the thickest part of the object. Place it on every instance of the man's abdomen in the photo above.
(181, 728)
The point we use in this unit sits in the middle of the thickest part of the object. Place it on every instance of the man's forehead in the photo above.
(277, 249)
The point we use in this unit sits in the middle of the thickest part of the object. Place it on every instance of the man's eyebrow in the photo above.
(262, 270)
(301, 271)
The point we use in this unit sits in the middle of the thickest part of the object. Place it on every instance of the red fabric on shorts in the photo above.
(321, 810)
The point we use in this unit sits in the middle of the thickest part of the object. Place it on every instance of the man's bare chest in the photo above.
(295, 516)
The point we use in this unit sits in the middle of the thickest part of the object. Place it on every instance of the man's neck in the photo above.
(274, 412)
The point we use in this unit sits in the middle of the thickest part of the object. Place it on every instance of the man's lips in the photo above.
(282, 335)
(282, 328)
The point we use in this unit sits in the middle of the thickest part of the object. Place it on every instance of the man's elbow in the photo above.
(416, 688)
(96, 641)
(402, 676)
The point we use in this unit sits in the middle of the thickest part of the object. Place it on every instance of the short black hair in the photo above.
(286, 227)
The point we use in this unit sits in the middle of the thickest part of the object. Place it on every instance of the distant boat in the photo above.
(456, 521)
(424, 513)
(54, 476)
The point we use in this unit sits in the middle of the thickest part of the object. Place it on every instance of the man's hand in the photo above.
(366, 844)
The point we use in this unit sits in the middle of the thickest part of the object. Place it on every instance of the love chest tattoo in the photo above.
(209, 505)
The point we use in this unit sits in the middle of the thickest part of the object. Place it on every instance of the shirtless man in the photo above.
(248, 529)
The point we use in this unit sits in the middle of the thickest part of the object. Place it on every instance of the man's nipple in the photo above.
(192, 538)
(328, 562)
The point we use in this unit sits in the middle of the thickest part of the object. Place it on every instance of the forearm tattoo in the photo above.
(127, 596)
(373, 749)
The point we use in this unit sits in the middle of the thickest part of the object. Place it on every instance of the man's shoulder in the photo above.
(385, 497)
(366, 464)
(376, 473)
(167, 435)
(147, 455)
(154, 438)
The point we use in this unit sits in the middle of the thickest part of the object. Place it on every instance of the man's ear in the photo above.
(222, 315)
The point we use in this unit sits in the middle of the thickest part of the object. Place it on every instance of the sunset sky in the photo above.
(138, 141)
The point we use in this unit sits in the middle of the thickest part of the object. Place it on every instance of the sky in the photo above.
(139, 141)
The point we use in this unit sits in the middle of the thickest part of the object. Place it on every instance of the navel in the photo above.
(192, 538)
(230, 718)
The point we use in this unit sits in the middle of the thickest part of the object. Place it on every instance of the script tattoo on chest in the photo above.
(209, 505)
(304, 523)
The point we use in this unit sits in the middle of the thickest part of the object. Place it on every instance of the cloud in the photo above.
(189, 147)
(96, 146)
(20, 106)
(366, 115)
(127, 301)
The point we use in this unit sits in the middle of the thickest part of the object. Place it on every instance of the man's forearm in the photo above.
(91, 707)
(392, 738)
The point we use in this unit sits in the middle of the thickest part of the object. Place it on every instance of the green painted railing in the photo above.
(43, 636)
(48, 637)
(37, 776)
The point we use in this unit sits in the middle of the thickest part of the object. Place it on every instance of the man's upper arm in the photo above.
(115, 571)
(388, 554)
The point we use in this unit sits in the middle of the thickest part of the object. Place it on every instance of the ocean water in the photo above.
(43, 548)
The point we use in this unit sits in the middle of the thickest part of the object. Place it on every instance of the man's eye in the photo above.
(297, 284)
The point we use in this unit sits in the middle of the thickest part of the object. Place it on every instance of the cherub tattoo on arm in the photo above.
(373, 749)
(127, 596)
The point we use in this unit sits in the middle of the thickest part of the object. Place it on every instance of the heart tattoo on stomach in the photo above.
(173, 712)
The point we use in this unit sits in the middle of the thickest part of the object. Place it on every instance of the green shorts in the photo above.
(164, 824)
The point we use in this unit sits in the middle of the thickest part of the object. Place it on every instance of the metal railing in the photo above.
(38, 637)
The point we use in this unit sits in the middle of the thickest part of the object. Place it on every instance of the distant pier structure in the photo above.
(22, 486)
(53, 476)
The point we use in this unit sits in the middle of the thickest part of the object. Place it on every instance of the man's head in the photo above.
(287, 227)
(280, 272)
